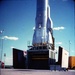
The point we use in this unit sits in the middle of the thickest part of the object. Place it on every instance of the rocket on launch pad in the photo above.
(42, 54)
(43, 33)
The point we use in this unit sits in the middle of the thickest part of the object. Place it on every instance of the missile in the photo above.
(43, 32)
(49, 27)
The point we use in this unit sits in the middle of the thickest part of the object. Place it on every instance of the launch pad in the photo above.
(40, 57)
(41, 54)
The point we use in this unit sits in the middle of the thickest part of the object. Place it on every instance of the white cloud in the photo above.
(10, 38)
(59, 28)
(59, 43)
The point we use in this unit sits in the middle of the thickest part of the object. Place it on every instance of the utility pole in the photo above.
(1, 49)
(69, 47)
(4, 59)
(1, 32)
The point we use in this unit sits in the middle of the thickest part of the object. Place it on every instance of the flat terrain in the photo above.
(34, 72)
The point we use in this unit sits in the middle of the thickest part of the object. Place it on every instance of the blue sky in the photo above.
(17, 19)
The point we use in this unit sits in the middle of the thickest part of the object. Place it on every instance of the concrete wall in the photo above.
(63, 57)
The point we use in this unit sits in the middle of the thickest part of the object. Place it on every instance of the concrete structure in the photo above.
(39, 59)
(63, 57)
(19, 59)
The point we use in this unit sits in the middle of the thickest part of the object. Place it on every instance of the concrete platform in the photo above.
(34, 72)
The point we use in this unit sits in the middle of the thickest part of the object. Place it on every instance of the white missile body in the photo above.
(43, 27)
